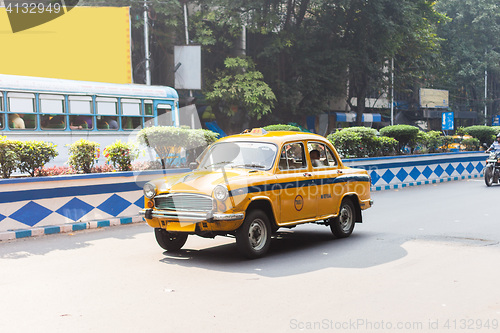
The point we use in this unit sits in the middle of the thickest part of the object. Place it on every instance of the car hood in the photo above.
(204, 181)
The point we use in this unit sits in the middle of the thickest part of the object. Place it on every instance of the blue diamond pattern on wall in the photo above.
(75, 209)
(480, 167)
(402, 174)
(438, 171)
(31, 213)
(427, 172)
(140, 202)
(470, 167)
(2, 217)
(415, 173)
(449, 169)
(388, 176)
(114, 205)
(460, 168)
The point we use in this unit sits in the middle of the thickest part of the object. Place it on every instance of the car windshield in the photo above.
(252, 155)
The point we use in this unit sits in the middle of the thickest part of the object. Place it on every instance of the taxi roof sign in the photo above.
(255, 131)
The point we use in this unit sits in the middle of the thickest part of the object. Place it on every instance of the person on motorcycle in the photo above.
(495, 146)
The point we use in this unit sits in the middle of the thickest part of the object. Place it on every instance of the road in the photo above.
(426, 259)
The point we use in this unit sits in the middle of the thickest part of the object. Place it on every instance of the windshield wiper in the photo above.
(249, 165)
(214, 164)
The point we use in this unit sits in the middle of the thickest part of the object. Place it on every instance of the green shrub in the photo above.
(485, 134)
(432, 140)
(34, 155)
(387, 146)
(9, 158)
(404, 134)
(83, 154)
(167, 141)
(471, 144)
(346, 143)
(120, 154)
(281, 127)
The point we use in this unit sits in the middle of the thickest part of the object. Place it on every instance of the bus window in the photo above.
(107, 122)
(149, 122)
(21, 102)
(131, 123)
(52, 108)
(148, 107)
(106, 105)
(22, 121)
(80, 104)
(164, 115)
(131, 107)
(81, 109)
(53, 121)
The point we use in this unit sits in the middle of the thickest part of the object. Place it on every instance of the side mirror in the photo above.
(193, 165)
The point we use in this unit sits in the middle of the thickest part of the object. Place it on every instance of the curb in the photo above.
(425, 182)
(64, 228)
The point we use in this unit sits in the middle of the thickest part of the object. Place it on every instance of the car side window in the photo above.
(321, 155)
(292, 157)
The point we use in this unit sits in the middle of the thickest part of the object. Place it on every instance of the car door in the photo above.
(295, 184)
(325, 171)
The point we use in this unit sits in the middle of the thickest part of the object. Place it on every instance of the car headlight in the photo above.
(149, 190)
(220, 193)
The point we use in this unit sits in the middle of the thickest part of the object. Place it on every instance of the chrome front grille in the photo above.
(184, 202)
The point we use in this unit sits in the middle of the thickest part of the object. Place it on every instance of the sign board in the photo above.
(495, 121)
(447, 123)
(86, 43)
(433, 98)
(187, 67)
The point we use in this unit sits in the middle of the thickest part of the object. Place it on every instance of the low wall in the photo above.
(42, 205)
(401, 171)
(41, 202)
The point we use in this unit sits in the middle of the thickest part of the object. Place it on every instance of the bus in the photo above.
(65, 111)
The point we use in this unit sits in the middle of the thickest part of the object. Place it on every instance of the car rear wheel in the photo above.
(253, 237)
(343, 225)
(170, 241)
(488, 175)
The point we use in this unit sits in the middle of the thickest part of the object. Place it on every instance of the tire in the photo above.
(253, 237)
(343, 225)
(488, 175)
(170, 241)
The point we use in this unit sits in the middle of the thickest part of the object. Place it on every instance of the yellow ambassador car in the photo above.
(250, 185)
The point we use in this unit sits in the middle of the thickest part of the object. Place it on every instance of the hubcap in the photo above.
(346, 218)
(257, 234)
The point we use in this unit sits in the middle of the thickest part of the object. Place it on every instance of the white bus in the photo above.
(65, 111)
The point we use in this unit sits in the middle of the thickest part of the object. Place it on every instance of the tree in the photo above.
(240, 86)
(471, 46)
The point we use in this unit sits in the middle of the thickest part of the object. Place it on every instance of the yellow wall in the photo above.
(86, 43)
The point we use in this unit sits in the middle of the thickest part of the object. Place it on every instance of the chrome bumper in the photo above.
(192, 216)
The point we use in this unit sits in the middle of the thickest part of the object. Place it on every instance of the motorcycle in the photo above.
(492, 169)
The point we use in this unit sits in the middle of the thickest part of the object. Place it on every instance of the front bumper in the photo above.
(191, 216)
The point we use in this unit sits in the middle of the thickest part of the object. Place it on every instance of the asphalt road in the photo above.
(426, 259)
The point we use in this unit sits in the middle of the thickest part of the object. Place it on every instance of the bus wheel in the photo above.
(170, 241)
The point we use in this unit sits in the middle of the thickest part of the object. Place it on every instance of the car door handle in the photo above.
(307, 174)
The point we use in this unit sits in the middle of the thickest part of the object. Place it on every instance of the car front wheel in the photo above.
(253, 237)
(170, 241)
(343, 225)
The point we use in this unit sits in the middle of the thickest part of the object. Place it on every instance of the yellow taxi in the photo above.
(250, 185)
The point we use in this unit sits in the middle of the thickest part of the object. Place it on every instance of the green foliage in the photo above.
(404, 134)
(9, 158)
(346, 143)
(35, 154)
(168, 141)
(281, 127)
(242, 86)
(471, 144)
(485, 134)
(121, 154)
(83, 154)
(388, 146)
(432, 141)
